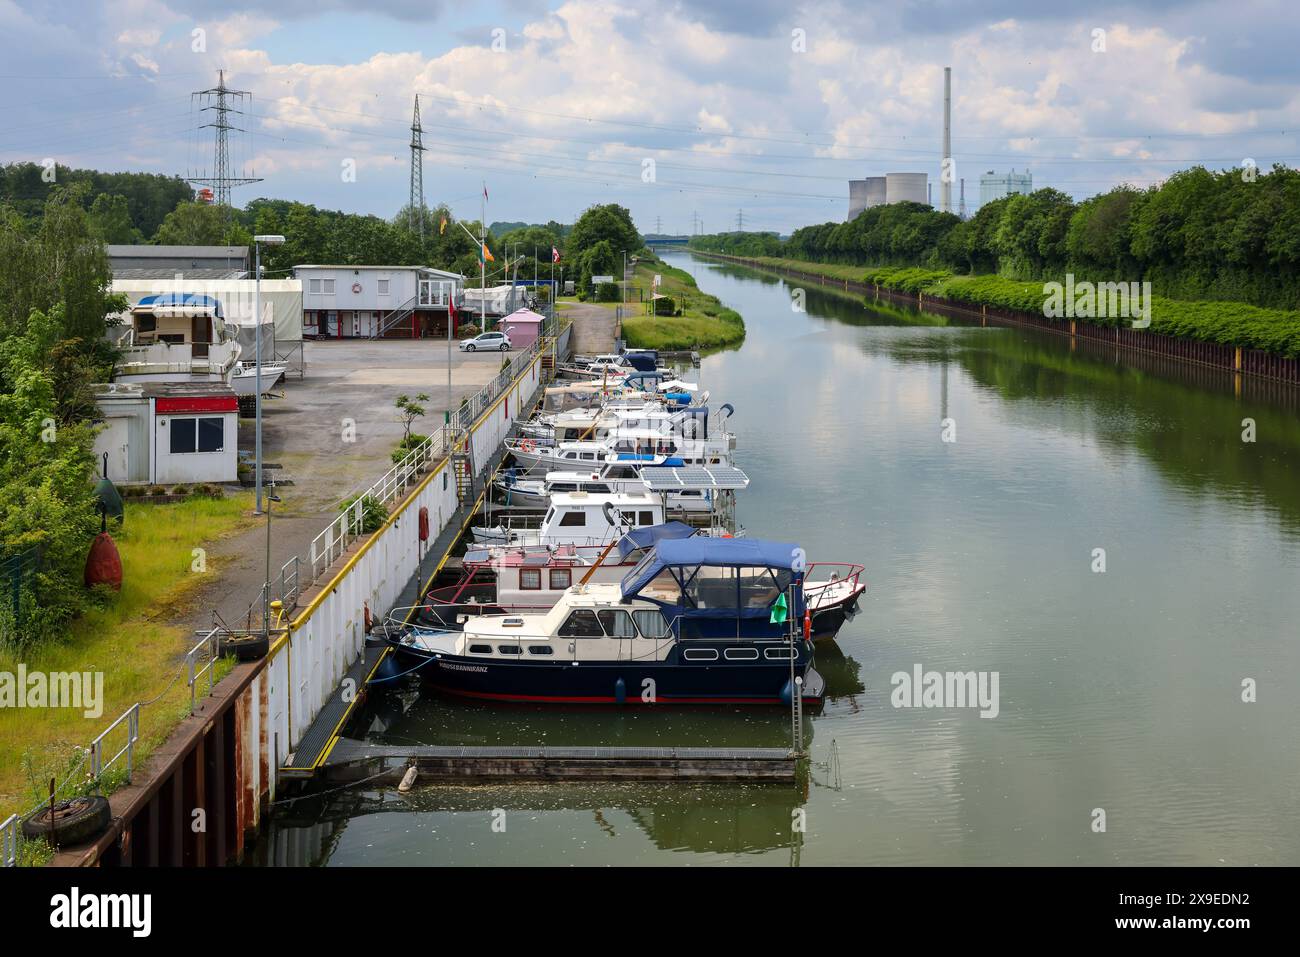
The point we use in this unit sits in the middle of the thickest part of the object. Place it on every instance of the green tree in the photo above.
(200, 224)
(46, 493)
(110, 220)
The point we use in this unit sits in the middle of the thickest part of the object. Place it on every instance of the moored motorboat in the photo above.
(698, 620)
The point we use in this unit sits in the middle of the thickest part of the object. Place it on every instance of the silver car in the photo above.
(493, 341)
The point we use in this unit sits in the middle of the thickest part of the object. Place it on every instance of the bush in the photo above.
(373, 512)
(406, 445)
(665, 306)
(608, 292)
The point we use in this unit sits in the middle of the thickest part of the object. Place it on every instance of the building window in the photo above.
(561, 578)
(198, 435)
(530, 579)
(329, 286)
(313, 285)
(383, 287)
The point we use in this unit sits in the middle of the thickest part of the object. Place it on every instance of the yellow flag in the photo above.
(442, 225)
(487, 255)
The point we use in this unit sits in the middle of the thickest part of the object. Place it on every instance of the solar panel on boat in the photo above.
(662, 479)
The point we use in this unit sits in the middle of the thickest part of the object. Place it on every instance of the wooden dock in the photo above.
(351, 760)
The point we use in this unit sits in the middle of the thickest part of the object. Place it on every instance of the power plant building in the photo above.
(865, 193)
(907, 188)
(994, 186)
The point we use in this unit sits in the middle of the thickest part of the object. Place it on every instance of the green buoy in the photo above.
(109, 499)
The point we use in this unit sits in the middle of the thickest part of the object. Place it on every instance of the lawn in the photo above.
(130, 641)
(705, 323)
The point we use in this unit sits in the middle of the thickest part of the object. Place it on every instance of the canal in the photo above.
(1120, 690)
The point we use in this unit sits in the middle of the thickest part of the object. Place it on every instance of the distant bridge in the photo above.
(668, 241)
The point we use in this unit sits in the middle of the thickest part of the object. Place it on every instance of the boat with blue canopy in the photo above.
(698, 620)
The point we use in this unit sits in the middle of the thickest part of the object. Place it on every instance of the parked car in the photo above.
(486, 340)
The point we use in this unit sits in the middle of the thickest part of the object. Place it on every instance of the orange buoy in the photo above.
(807, 623)
(104, 563)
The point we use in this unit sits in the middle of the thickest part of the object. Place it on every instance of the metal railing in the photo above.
(11, 841)
(97, 763)
(289, 589)
(210, 643)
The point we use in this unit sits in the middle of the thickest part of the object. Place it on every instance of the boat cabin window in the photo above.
(480, 649)
(541, 650)
(596, 488)
(510, 649)
(650, 623)
(564, 486)
(530, 579)
(561, 578)
(759, 587)
(587, 456)
(617, 623)
(622, 472)
(582, 624)
(576, 519)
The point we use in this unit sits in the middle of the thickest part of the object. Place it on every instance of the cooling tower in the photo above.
(865, 193)
(907, 188)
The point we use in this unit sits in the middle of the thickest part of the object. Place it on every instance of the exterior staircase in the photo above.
(396, 324)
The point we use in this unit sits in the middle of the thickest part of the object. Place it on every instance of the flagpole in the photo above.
(482, 260)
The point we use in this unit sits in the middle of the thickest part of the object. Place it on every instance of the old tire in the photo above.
(75, 821)
(251, 649)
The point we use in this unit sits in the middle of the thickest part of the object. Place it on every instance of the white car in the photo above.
(498, 341)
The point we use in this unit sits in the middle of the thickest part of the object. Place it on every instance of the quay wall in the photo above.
(205, 789)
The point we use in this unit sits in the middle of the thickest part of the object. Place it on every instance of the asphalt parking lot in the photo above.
(356, 382)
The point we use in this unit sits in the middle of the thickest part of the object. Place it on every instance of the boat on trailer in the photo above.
(697, 620)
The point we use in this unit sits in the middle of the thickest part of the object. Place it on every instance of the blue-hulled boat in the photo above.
(698, 620)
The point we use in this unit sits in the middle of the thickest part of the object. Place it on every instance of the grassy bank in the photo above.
(130, 641)
(704, 323)
(1276, 331)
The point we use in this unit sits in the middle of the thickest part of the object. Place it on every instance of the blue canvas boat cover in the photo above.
(189, 300)
(716, 552)
(640, 538)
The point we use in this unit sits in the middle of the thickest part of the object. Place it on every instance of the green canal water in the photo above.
(1118, 690)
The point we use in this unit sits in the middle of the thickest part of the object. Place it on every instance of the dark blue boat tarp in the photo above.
(640, 538)
(701, 550)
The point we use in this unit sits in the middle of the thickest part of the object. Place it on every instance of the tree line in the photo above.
(1201, 234)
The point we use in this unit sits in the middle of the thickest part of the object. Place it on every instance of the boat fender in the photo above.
(620, 691)
(807, 624)
(408, 780)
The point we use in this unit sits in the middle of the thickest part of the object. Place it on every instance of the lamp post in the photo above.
(258, 243)
(266, 589)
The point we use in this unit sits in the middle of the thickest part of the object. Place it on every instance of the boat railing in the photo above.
(840, 572)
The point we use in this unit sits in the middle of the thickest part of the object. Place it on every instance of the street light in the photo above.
(266, 590)
(258, 243)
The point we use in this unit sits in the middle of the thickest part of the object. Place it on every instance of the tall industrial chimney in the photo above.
(945, 173)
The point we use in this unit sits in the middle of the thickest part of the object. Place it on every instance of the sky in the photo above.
(694, 115)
